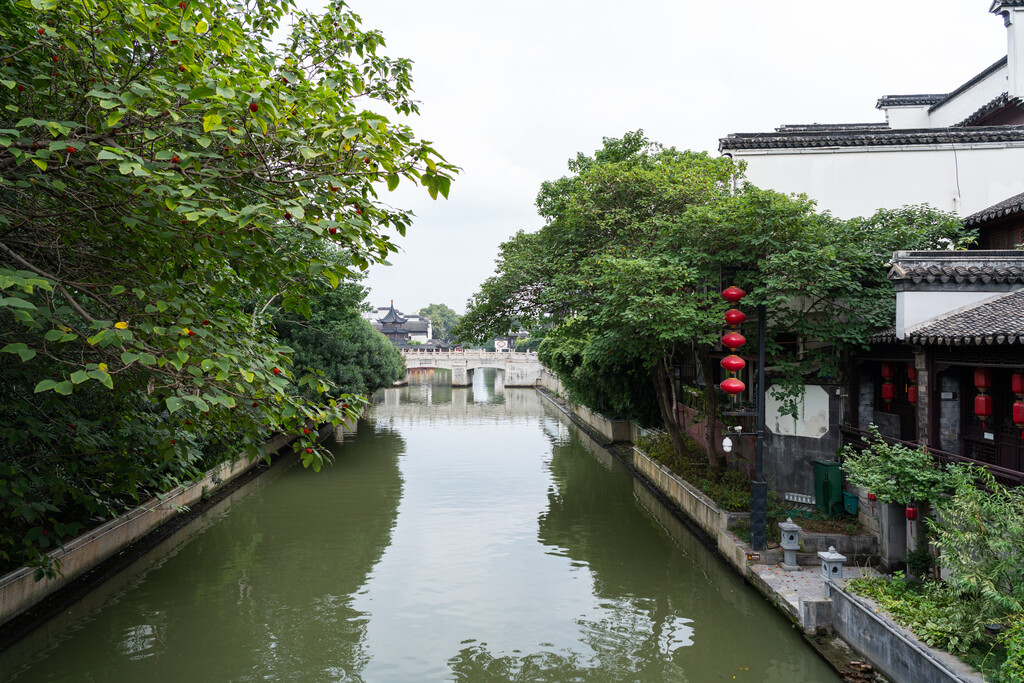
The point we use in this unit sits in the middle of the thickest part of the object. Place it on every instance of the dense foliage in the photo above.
(337, 344)
(638, 242)
(443, 320)
(168, 181)
(978, 528)
(893, 472)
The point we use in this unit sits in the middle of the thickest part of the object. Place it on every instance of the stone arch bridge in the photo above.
(521, 369)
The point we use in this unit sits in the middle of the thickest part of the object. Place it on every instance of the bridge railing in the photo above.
(471, 353)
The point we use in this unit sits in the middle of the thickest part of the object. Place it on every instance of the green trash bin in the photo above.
(828, 487)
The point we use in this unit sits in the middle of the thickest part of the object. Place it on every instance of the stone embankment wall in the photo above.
(19, 590)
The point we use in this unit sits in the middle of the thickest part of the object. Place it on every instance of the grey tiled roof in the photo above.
(1007, 207)
(908, 100)
(989, 108)
(839, 136)
(957, 267)
(996, 322)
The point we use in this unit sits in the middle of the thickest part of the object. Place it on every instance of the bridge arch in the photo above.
(520, 369)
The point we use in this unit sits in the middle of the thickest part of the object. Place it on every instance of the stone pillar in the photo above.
(924, 402)
(461, 375)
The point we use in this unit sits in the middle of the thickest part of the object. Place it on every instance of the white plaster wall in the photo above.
(971, 100)
(907, 117)
(813, 417)
(914, 309)
(857, 182)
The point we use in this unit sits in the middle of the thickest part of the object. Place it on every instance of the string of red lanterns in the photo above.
(732, 341)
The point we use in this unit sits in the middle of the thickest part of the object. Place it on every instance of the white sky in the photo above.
(511, 91)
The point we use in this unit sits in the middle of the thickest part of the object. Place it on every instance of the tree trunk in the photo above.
(715, 460)
(662, 379)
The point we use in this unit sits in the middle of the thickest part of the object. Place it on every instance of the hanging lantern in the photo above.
(983, 378)
(912, 373)
(983, 407)
(734, 317)
(888, 392)
(733, 363)
(734, 340)
(1018, 416)
(732, 386)
(1017, 383)
(888, 371)
(733, 294)
(912, 395)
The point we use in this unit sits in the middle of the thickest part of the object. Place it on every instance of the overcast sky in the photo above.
(511, 91)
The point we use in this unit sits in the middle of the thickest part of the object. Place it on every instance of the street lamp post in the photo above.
(733, 386)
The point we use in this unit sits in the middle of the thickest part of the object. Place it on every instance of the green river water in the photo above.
(461, 534)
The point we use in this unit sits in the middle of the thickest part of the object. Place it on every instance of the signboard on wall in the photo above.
(500, 345)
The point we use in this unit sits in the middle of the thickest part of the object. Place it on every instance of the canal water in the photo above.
(467, 534)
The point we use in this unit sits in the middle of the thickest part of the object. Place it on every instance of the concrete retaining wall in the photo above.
(19, 590)
(698, 507)
(892, 650)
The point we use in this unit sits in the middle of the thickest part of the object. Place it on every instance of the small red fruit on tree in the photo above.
(206, 322)
(277, 371)
(253, 107)
(21, 88)
(254, 404)
(174, 159)
(181, 5)
(71, 150)
(333, 231)
(309, 450)
(305, 430)
(191, 333)
(56, 58)
(181, 68)
(287, 216)
(40, 31)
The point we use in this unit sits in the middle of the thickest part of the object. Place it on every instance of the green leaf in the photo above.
(115, 118)
(45, 385)
(174, 403)
(21, 349)
(201, 91)
(79, 376)
(392, 179)
(64, 388)
(40, 163)
(127, 357)
(210, 121)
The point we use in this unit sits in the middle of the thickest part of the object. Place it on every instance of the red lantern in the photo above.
(912, 395)
(732, 386)
(888, 392)
(734, 317)
(733, 363)
(872, 497)
(734, 340)
(983, 378)
(911, 513)
(733, 294)
(1017, 382)
(1018, 416)
(888, 371)
(911, 373)
(983, 407)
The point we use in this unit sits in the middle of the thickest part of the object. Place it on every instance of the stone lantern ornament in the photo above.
(790, 544)
(831, 563)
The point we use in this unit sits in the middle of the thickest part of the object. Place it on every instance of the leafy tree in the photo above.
(637, 244)
(443, 320)
(167, 181)
(337, 343)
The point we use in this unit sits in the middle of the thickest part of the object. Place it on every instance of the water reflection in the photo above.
(464, 534)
